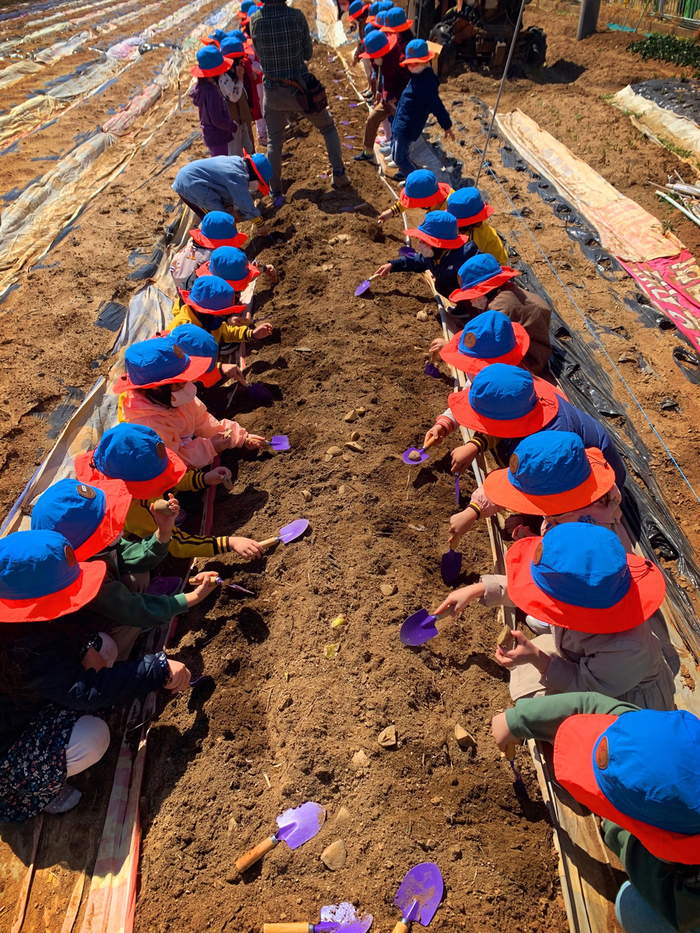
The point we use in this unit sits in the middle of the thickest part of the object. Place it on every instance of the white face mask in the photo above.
(253, 186)
(377, 61)
(416, 69)
(424, 250)
(183, 395)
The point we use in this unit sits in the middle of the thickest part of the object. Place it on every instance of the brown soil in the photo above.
(277, 706)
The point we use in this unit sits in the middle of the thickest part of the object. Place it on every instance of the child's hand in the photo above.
(270, 272)
(384, 216)
(179, 677)
(460, 524)
(254, 442)
(384, 270)
(221, 442)
(216, 476)
(246, 547)
(207, 582)
(262, 330)
(165, 523)
(502, 735)
(231, 371)
(458, 601)
(449, 134)
(262, 230)
(436, 346)
(462, 457)
(437, 431)
(93, 660)
(524, 653)
(516, 529)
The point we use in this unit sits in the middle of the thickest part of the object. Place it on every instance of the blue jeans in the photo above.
(636, 916)
(399, 153)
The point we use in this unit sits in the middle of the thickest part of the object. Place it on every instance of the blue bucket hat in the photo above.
(422, 190)
(488, 338)
(505, 401)
(579, 577)
(135, 455)
(218, 229)
(262, 168)
(231, 265)
(377, 44)
(395, 20)
(417, 53)
(550, 473)
(232, 48)
(479, 275)
(238, 34)
(210, 63)
(380, 18)
(88, 517)
(195, 341)
(357, 9)
(41, 578)
(157, 362)
(468, 207)
(374, 8)
(370, 27)
(212, 295)
(439, 229)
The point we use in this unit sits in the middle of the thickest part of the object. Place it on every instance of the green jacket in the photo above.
(672, 889)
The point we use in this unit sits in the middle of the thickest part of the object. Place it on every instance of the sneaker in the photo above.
(385, 150)
(279, 200)
(340, 181)
(365, 157)
(68, 798)
(399, 176)
(391, 164)
(368, 95)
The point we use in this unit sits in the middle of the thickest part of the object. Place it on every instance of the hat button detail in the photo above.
(69, 554)
(537, 556)
(87, 492)
(602, 753)
(513, 463)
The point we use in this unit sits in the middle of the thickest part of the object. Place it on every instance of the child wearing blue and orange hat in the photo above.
(218, 128)
(422, 190)
(385, 55)
(472, 218)
(136, 456)
(158, 390)
(91, 519)
(53, 676)
(216, 229)
(597, 600)
(195, 341)
(638, 770)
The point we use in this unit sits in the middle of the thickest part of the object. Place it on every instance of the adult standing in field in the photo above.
(283, 44)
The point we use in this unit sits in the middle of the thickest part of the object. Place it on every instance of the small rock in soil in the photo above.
(388, 589)
(422, 315)
(414, 455)
(342, 490)
(333, 857)
(355, 436)
(464, 738)
(387, 737)
(334, 451)
(359, 760)
(436, 800)
(342, 817)
(353, 445)
(351, 416)
(306, 494)
(361, 411)
(455, 854)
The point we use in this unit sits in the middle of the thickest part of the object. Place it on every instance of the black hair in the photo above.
(160, 395)
(21, 641)
(252, 174)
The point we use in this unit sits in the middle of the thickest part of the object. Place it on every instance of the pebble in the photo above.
(361, 411)
(422, 316)
(351, 416)
(355, 436)
(342, 490)
(334, 451)
(387, 737)
(388, 589)
(464, 739)
(359, 760)
(436, 800)
(334, 855)
(342, 817)
(353, 445)
(306, 494)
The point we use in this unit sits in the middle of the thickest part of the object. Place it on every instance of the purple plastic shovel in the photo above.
(336, 918)
(419, 895)
(457, 488)
(409, 456)
(290, 532)
(450, 566)
(279, 442)
(407, 251)
(295, 827)
(432, 370)
(222, 582)
(420, 627)
(259, 392)
(364, 286)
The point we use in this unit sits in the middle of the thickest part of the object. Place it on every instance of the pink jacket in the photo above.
(185, 430)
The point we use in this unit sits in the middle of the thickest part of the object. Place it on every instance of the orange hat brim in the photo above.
(138, 489)
(442, 193)
(62, 603)
(453, 356)
(118, 501)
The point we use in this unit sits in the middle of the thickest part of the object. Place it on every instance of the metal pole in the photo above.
(500, 90)
(639, 22)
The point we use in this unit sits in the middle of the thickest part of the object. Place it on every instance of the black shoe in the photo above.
(364, 157)
(399, 176)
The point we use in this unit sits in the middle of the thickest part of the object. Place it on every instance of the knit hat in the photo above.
(262, 168)
(218, 229)
(90, 518)
(579, 577)
(422, 190)
(158, 362)
(417, 53)
(505, 401)
(210, 62)
(550, 473)
(134, 454)
(231, 265)
(439, 229)
(378, 44)
(41, 578)
(395, 20)
(488, 338)
(479, 275)
(468, 207)
(212, 295)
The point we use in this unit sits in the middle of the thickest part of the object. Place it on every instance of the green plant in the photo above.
(665, 48)
(672, 147)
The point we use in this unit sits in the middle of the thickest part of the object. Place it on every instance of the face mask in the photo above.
(253, 186)
(424, 250)
(481, 303)
(378, 61)
(417, 69)
(183, 395)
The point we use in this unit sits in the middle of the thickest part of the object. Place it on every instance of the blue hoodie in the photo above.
(418, 101)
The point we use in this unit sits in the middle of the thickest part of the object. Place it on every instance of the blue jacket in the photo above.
(591, 432)
(444, 266)
(217, 184)
(420, 98)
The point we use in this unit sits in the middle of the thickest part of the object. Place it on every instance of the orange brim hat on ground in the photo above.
(463, 351)
(579, 577)
(550, 473)
(505, 401)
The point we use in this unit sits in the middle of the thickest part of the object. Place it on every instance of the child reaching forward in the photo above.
(217, 229)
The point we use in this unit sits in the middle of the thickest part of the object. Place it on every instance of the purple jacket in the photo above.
(217, 126)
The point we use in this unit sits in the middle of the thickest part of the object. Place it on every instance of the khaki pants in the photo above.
(381, 112)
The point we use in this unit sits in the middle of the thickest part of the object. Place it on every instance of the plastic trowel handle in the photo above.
(288, 928)
(269, 542)
(250, 858)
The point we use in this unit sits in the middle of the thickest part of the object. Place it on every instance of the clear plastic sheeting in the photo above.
(625, 228)
(662, 125)
(17, 72)
(122, 122)
(10, 45)
(63, 49)
(328, 26)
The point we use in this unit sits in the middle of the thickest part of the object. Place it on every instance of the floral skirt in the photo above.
(33, 771)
